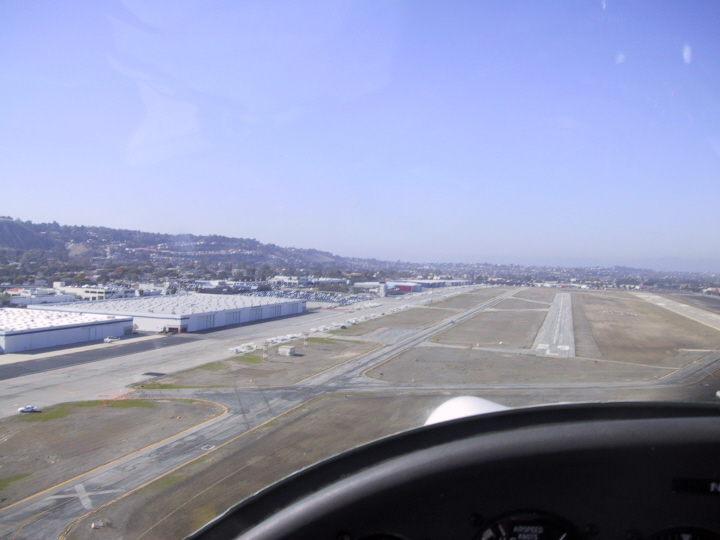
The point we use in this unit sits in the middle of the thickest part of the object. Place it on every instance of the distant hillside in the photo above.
(17, 235)
(71, 251)
(127, 245)
(677, 264)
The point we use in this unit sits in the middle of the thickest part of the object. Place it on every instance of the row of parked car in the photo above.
(340, 299)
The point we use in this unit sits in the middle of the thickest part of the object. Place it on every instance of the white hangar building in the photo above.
(187, 312)
(26, 329)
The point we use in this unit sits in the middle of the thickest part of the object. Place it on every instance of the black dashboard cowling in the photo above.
(615, 470)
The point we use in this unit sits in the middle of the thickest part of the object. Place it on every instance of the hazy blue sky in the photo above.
(425, 131)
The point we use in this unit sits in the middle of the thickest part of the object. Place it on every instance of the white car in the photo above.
(28, 408)
(111, 339)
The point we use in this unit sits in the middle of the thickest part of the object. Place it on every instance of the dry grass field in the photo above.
(417, 317)
(445, 365)
(250, 371)
(539, 294)
(506, 329)
(470, 300)
(631, 330)
(520, 303)
(620, 340)
(40, 450)
(317, 430)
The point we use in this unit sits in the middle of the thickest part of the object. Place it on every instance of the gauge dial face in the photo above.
(528, 526)
(685, 533)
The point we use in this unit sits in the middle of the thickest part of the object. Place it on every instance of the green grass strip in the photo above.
(66, 409)
(213, 366)
(325, 341)
(5, 482)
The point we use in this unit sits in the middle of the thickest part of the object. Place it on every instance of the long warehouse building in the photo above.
(25, 329)
(186, 312)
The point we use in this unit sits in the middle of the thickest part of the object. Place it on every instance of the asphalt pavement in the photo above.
(696, 314)
(99, 375)
(556, 336)
(46, 515)
(40, 365)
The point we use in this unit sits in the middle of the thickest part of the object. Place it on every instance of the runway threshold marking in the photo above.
(34, 517)
(218, 447)
(131, 454)
(557, 332)
(83, 496)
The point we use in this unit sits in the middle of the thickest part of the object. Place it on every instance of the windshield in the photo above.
(241, 237)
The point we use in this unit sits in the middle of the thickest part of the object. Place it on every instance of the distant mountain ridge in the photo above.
(677, 264)
(657, 264)
(99, 241)
(132, 246)
(16, 235)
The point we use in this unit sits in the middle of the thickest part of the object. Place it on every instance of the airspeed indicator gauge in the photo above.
(528, 526)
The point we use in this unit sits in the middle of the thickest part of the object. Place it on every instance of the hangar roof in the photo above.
(17, 320)
(176, 304)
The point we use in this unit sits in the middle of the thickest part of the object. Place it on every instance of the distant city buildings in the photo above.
(95, 292)
(328, 281)
(383, 288)
(305, 281)
(24, 296)
(289, 281)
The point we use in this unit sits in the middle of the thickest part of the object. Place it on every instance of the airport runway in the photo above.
(696, 314)
(99, 375)
(556, 336)
(47, 514)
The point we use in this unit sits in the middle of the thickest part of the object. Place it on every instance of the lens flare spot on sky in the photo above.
(687, 53)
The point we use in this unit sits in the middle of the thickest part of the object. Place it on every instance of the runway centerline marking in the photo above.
(556, 336)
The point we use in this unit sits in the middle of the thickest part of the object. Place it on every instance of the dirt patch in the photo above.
(202, 490)
(418, 317)
(496, 329)
(250, 371)
(40, 450)
(441, 365)
(470, 300)
(642, 332)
